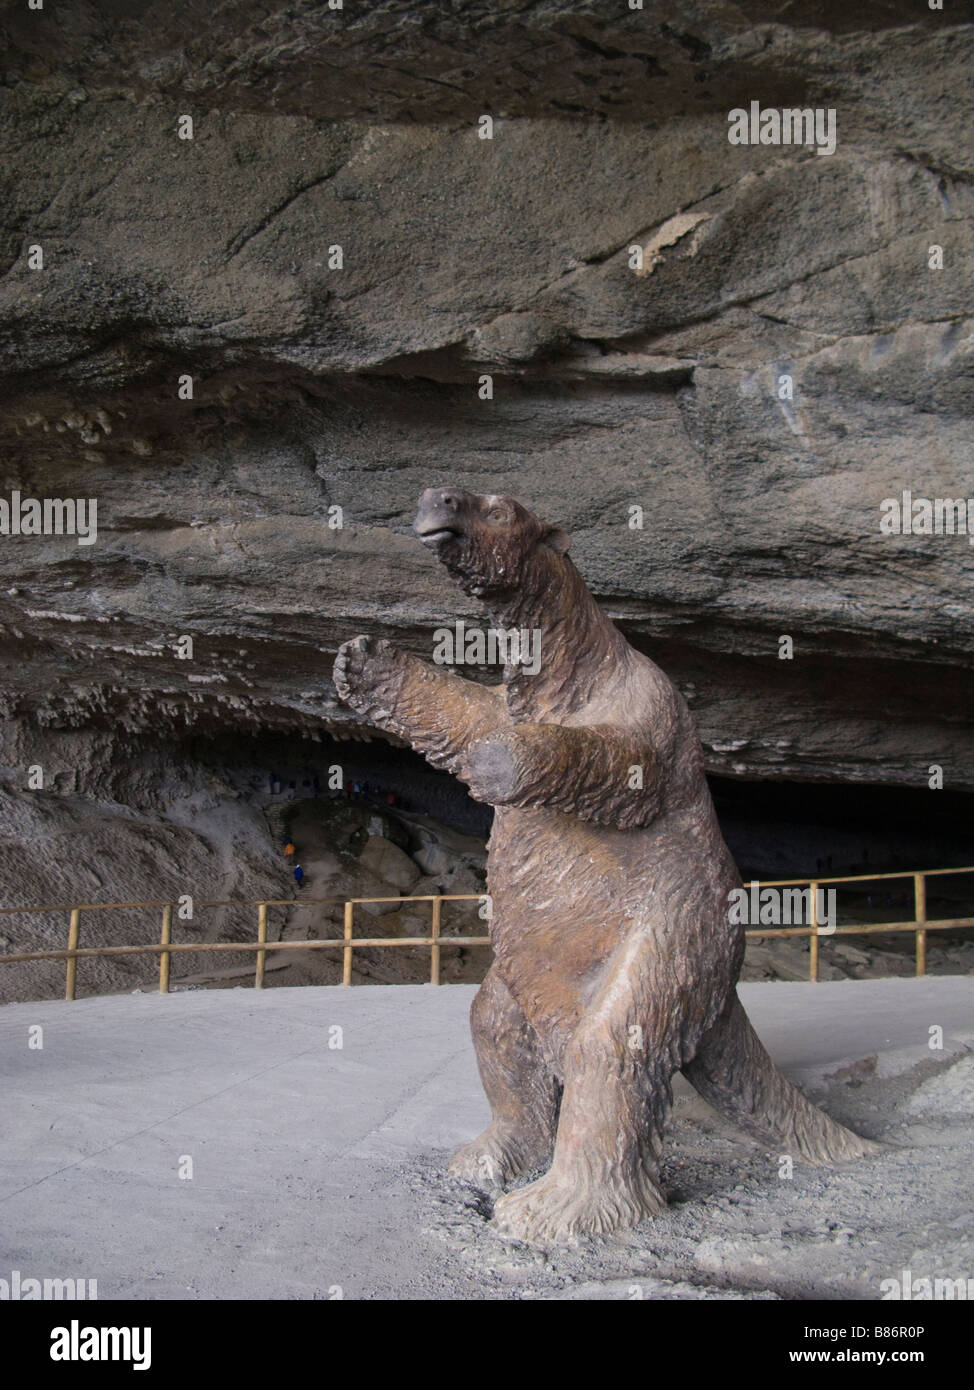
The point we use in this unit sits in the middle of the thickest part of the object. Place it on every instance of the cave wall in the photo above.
(358, 387)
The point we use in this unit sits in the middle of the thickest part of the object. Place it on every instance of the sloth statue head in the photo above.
(491, 545)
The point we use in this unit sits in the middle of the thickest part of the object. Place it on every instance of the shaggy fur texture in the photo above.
(614, 960)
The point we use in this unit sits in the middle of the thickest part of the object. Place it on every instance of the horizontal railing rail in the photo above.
(348, 943)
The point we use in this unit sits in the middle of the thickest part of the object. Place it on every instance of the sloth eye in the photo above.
(497, 514)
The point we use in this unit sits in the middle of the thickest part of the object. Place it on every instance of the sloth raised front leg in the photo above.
(434, 710)
(598, 773)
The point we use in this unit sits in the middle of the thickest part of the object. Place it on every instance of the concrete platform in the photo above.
(316, 1168)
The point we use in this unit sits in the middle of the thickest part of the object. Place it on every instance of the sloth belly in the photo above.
(567, 894)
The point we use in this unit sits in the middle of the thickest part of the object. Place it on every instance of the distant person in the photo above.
(390, 800)
(298, 875)
(289, 850)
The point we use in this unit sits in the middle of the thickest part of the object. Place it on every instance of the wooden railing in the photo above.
(347, 943)
(920, 924)
(166, 948)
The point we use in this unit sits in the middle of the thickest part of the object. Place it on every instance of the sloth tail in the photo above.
(733, 1072)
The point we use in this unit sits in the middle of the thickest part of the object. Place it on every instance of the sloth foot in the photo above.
(497, 1156)
(558, 1208)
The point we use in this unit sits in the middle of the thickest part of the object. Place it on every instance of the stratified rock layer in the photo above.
(316, 387)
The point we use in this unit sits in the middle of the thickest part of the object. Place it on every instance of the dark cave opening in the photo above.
(774, 829)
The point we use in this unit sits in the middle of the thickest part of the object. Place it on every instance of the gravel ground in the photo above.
(317, 1168)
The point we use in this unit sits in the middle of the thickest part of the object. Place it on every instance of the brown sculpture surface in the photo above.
(615, 961)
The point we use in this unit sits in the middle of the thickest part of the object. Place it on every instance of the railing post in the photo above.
(71, 973)
(261, 937)
(435, 951)
(920, 910)
(164, 956)
(347, 952)
(813, 938)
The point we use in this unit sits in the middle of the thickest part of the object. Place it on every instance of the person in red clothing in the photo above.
(289, 850)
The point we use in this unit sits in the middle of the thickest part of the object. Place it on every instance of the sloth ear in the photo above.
(557, 540)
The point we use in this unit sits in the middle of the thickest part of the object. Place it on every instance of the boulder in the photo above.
(380, 856)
